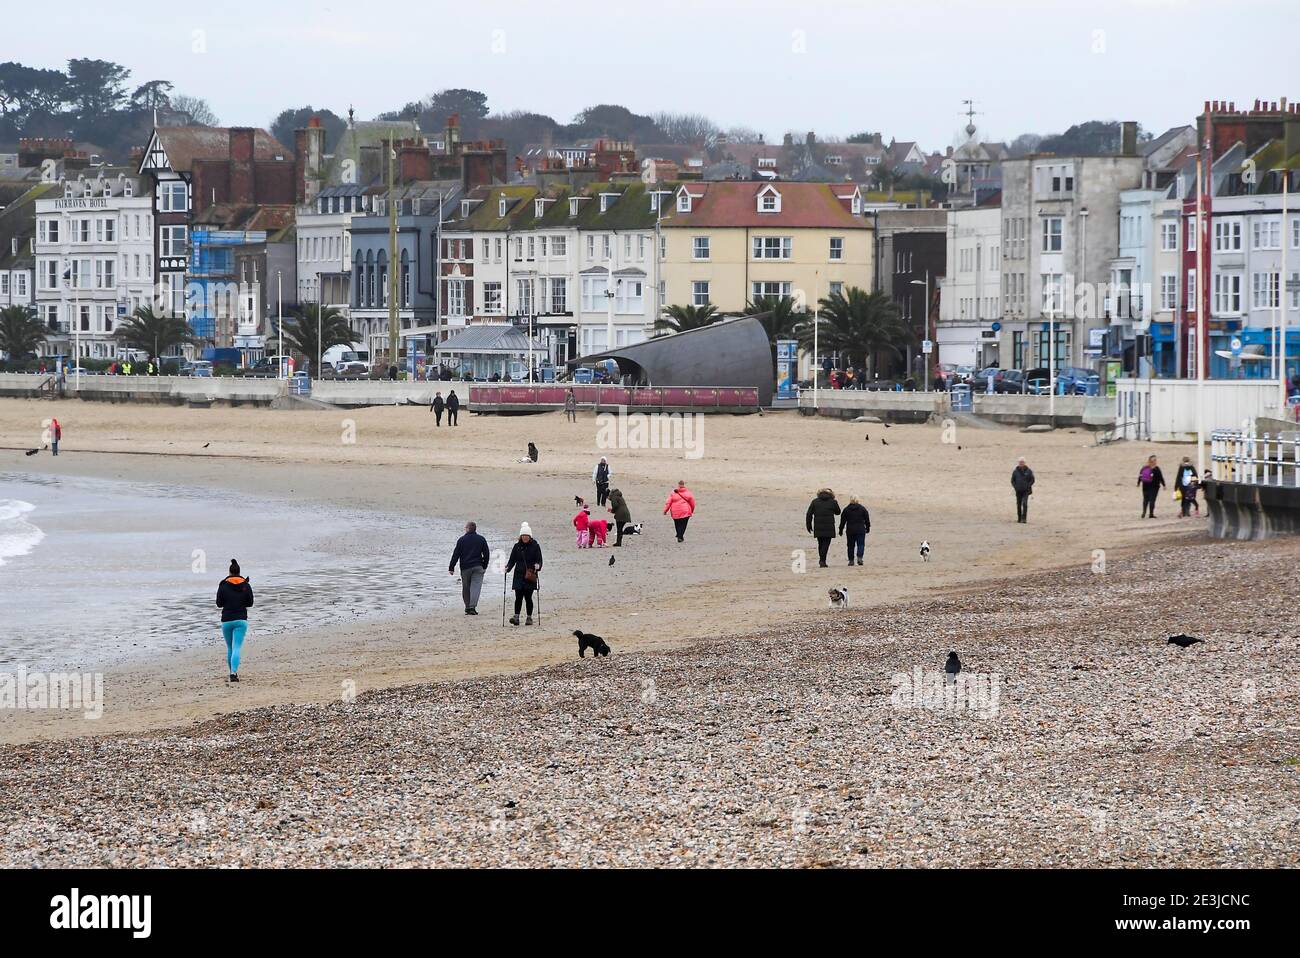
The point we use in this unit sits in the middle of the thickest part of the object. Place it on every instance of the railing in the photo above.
(1244, 457)
(610, 397)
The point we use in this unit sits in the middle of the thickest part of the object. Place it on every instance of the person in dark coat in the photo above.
(472, 553)
(855, 523)
(820, 521)
(1022, 481)
(526, 561)
(234, 597)
(622, 514)
(436, 407)
(453, 407)
(1152, 480)
(1186, 483)
(600, 476)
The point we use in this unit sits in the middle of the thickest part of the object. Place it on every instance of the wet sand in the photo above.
(738, 572)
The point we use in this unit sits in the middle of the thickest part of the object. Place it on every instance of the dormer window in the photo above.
(107, 190)
(607, 200)
(539, 208)
(501, 207)
(89, 191)
(67, 191)
(857, 204)
(683, 202)
(464, 208)
(128, 189)
(769, 200)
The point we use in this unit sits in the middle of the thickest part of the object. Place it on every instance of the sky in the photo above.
(834, 67)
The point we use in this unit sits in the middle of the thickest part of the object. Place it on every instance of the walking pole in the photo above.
(503, 600)
(539, 601)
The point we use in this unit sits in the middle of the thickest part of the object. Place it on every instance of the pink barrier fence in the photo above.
(651, 397)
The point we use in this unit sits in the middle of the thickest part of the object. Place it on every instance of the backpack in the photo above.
(1146, 474)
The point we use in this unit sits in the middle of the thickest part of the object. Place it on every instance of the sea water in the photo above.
(97, 571)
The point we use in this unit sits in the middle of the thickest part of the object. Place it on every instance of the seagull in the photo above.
(888, 426)
(206, 444)
(611, 560)
(959, 448)
(31, 452)
(925, 551)
(868, 437)
(883, 443)
(952, 667)
(1183, 641)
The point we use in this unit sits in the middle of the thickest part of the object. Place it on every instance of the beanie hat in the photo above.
(525, 530)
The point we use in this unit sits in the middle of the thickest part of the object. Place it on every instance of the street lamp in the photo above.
(925, 357)
(279, 312)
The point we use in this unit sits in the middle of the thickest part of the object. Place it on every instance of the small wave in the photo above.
(17, 536)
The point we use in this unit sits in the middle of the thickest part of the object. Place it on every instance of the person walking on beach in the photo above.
(855, 523)
(437, 406)
(570, 406)
(600, 476)
(1185, 484)
(234, 596)
(1022, 481)
(453, 407)
(1152, 480)
(56, 433)
(622, 514)
(526, 561)
(820, 521)
(682, 506)
(472, 553)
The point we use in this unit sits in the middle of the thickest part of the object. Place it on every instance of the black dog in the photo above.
(588, 641)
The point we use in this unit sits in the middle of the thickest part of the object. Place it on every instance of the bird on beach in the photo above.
(887, 425)
(868, 437)
(611, 560)
(1183, 641)
(952, 667)
(883, 443)
(206, 444)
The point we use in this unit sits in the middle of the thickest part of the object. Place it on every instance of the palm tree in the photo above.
(300, 329)
(20, 331)
(155, 334)
(679, 319)
(781, 318)
(858, 324)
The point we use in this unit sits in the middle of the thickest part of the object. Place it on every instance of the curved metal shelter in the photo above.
(732, 352)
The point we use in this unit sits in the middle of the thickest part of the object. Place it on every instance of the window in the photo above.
(605, 246)
(1227, 294)
(1264, 291)
(1053, 294)
(1169, 237)
(700, 248)
(455, 297)
(628, 296)
(1266, 234)
(172, 240)
(1227, 236)
(523, 297)
(4, 284)
(173, 197)
(773, 247)
(501, 207)
(104, 273)
(82, 231)
(559, 246)
(591, 247)
(106, 231)
(539, 208)
(683, 202)
(837, 247)
(627, 247)
(88, 191)
(532, 248)
(837, 289)
(1192, 305)
(1191, 234)
(83, 320)
(1168, 291)
(1295, 233)
(128, 188)
(640, 246)
(496, 250)
(541, 242)
(769, 201)
(559, 295)
(1052, 234)
(700, 293)
(770, 289)
(593, 293)
(492, 298)
(1293, 288)
(519, 248)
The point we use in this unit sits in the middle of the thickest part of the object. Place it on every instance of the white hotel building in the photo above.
(94, 260)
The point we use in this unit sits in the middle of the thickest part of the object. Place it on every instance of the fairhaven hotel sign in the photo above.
(81, 203)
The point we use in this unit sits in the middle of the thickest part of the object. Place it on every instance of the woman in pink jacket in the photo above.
(682, 506)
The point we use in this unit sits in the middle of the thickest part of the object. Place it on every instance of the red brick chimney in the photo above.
(242, 183)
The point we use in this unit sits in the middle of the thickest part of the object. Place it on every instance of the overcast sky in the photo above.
(835, 66)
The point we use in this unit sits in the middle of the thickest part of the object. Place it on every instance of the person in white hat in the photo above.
(526, 561)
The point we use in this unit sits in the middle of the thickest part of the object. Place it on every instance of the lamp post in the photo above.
(279, 312)
(925, 357)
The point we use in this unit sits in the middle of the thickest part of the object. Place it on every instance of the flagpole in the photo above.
(1282, 289)
(1199, 354)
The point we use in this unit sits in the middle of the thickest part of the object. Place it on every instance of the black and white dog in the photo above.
(839, 598)
(587, 641)
(925, 551)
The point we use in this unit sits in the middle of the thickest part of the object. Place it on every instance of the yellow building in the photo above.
(728, 242)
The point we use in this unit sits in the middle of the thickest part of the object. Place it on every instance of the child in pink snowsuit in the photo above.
(599, 528)
(582, 523)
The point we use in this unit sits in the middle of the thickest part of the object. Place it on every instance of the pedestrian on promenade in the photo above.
(453, 407)
(472, 553)
(855, 523)
(682, 506)
(526, 561)
(234, 596)
(1022, 481)
(436, 407)
(600, 476)
(820, 521)
(1152, 480)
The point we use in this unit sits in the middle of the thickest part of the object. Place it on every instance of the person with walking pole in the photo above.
(600, 476)
(526, 561)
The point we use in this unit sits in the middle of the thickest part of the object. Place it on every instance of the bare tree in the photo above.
(199, 112)
(685, 127)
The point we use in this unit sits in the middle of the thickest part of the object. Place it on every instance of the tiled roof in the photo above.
(808, 205)
(18, 221)
(486, 337)
(185, 144)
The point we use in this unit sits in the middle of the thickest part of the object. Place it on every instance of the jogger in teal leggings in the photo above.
(234, 596)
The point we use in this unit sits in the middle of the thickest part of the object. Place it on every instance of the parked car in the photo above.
(353, 367)
(1036, 381)
(1011, 381)
(199, 367)
(1075, 380)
